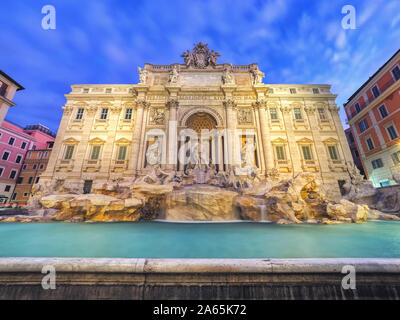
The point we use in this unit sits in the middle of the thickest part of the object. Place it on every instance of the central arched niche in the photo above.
(201, 121)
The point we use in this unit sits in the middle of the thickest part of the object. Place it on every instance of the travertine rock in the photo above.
(200, 203)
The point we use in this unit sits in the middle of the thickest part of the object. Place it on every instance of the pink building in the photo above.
(14, 143)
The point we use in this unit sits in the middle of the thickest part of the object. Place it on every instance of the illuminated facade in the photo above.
(107, 131)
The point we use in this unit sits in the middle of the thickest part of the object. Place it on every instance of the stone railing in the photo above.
(65, 165)
(197, 279)
(119, 165)
(93, 165)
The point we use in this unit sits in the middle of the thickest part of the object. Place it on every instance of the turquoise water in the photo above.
(200, 240)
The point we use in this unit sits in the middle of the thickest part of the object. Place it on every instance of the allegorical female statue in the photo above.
(153, 154)
(248, 151)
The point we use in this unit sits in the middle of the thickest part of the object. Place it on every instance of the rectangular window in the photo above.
(26, 194)
(30, 180)
(297, 114)
(280, 152)
(363, 125)
(18, 159)
(392, 132)
(376, 92)
(46, 154)
(333, 153)
(351, 137)
(11, 141)
(322, 114)
(3, 89)
(315, 91)
(383, 111)
(68, 152)
(39, 156)
(270, 91)
(79, 114)
(95, 153)
(108, 90)
(396, 157)
(122, 153)
(104, 114)
(370, 144)
(85, 90)
(7, 188)
(14, 196)
(376, 164)
(306, 152)
(23, 145)
(396, 73)
(274, 114)
(293, 91)
(20, 180)
(34, 167)
(128, 114)
(357, 106)
(1, 171)
(6, 155)
(37, 180)
(13, 174)
(41, 167)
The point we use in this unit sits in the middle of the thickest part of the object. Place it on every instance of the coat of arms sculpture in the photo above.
(201, 57)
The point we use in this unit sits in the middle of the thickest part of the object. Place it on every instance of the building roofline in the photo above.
(5, 75)
(370, 78)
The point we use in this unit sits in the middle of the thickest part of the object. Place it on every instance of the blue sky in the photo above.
(294, 41)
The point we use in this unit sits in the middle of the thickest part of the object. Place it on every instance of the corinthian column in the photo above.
(133, 161)
(266, 138)
(231, 141)
(172, 146)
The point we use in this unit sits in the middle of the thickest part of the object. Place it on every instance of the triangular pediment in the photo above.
(279, 141)
(71, 141)
(305, 140)
(123, 141)
(96, 141)
(330, 140)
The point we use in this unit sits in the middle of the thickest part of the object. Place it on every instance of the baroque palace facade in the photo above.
(107, 130)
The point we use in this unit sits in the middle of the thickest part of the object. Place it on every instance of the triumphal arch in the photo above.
(199, 114)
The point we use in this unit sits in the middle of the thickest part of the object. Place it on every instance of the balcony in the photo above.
(65, 165)
(368, 101)
(309, 165)
(91, 165)
(283, 165)
(337, 165)
(119, 165)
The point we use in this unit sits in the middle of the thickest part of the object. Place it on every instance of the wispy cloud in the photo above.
(104, 42)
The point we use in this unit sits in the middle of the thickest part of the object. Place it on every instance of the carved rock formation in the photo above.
(200, 203)
(166, 195)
